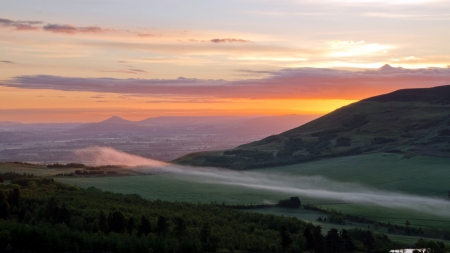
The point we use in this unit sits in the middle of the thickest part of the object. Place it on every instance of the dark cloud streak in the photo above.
(20, 25)
(127, 71)
(300, 83)
(230, 40)
(70, 29)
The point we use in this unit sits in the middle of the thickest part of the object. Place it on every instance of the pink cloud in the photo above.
(126, 71)
(300, 83)
(229, 40)
(20, 25)
(70, 29)
(145, 35)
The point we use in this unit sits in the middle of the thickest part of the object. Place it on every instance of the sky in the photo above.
(86, 60)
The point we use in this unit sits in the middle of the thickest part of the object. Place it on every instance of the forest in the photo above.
(38, 214)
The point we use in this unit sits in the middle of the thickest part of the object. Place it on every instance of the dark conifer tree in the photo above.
(307, 233)
(162, 226)
(14, 197)
(333, 241)
(4, 205)
(130, 225)
(103, 222)
(205, 233)
(368, 241)
(285, 238)
(348, 246)
(145, 227)
(318, 239)
(117, 222)
(180, 227)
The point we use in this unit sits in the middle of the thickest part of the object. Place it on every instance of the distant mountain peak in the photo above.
(386, 67)
(116, 119)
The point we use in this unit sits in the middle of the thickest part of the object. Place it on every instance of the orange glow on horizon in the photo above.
(33, 106)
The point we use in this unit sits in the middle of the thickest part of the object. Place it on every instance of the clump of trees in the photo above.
(89, 172)
(292, 202)
(292, 145)
(69, 165)
(430, 246)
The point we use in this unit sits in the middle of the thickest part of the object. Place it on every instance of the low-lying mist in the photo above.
(316, 187)
(98, 156)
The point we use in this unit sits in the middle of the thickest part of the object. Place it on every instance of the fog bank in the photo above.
(316, 187)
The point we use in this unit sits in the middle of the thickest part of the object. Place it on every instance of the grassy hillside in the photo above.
(411, 122)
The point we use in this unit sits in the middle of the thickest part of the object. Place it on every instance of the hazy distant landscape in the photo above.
(163, 138)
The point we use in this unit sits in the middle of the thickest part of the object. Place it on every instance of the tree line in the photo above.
(42, 215)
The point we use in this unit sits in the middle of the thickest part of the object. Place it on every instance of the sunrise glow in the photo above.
(150, 58)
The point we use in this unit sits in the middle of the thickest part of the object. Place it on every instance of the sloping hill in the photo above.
(113, 124)
(411, 121)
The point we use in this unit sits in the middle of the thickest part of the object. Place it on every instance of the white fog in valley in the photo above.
(315, 187)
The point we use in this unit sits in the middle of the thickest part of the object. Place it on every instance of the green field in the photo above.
(178, 188)
(424, 176)
(31, 169)
(419, 175)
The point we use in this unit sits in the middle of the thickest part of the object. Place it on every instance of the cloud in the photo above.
(195, 40)
(218, 41)
(70, 29)
(8, 62)
(229, 40)
(188, 101)
(20, 25)
(407, 16)
(285, 13)
(296, 83)
(55, 28)
(138, 70)
(389, 2)
(127, 71)
(253, 73)
(144, 35)
(256, 72)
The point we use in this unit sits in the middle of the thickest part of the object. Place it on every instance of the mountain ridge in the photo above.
(409, 121)
(189, 124)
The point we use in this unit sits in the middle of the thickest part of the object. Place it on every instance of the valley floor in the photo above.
(427, 177)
